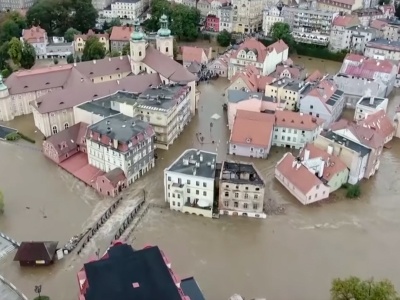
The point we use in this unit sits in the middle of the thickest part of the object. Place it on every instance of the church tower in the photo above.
(138, 46)
(4, 97)
(164, 39)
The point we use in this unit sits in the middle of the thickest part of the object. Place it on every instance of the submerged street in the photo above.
(290, 256)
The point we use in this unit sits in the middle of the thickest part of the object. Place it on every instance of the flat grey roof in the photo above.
(120, 127)
(186, 163)
(162, 96)
(241, 173)
(366, 101)
(385, 42)
(360, 28)
(330, 135)
(236, 96)
(294, 85)
(97, 109)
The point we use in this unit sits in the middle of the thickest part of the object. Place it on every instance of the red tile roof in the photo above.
(294, 72)
(279, 46)
(190, 54)
(104, 67)
(243, 131)
(252, 78)
(253, 44)
(380, 123)
(324, 90)
(121, 33)
(368, 67)
(115, 176)
(290, 119)
(315, 76)
(333, 164)
(34, 34)
(89, 34)
(378, 24)
(297, 174)
(354, 57)
(345, 21)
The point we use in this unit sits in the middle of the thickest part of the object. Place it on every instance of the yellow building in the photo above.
(286, 91)
(80, 40)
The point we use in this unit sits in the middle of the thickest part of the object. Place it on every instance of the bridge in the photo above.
(9, 292)
(7, 245)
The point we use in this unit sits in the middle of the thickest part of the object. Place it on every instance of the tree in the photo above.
(70, 33)
(28, 57)
(1, 203)
(126, 49)
(70, 59)
(224, 38)
(114, 53)
(85, 16)
(55, 60)
(353, 191)
(8, 30)
(15, 50)
(353, 288)
(4, 56)
(93, 49)
(78, 59)
(281, 31)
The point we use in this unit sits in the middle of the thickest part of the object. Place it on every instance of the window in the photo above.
(311, 106)
(188, 190)
(179, 204)
(173, 203)
(226, 203)
(169, 178)
(197, 192)
(316, 195)
(235, 204)
(188, 199)
(226, 194)
(66, 126)
(54, 129)
(255, 205)
(255, 196)
(140, 53)
(204, 193)
(246, 196)
(169, 186)
(236, 195)
(245, 205)
(166, 49)
(188, 181)
(197, 183)
(173, 195)
(317, 115)
(204, 184)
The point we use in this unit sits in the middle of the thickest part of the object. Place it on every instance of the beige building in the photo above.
(51, 93)
(380, 48)
(271, 15)
(345, 6)
(286, 91)
(80, 40)
(248, 16)
(391, 30)
(241, 190)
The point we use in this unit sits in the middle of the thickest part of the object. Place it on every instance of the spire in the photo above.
(164, 30)
(137, 34)
(3, 87)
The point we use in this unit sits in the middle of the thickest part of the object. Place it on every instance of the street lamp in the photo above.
(38, 290)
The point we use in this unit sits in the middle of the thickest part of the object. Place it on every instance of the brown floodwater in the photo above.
(291, 256)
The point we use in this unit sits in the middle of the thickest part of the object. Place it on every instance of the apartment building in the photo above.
(244, 141)
(225, 16)
(271, 15)
(101, 4)
(80, 40)
(392, 29)
(323, 100)
(357, 38)
(189, 183)
(338, 37)
(286, 92)
(252, 52)
(248, 16)
(166, 108)
(308, 25)
(368, 105)
(294, 130)
(121, 142)
(380, 48)
(368, 14)
(380, 123)
(37, 37)
(241, 190)
(15, 4)
(125, 9)
(120, 36)
(212, 23)
(345, 6)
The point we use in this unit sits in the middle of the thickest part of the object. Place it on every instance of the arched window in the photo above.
(66, 126)
(166, 49)
(54, 129)
(140, 53)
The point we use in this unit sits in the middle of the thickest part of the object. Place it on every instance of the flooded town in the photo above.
(228, 168)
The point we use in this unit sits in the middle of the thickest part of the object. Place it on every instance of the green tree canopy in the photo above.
(4, 56)
(11, 25)
(70, 59)
(224, 38)
(15, 50)
(281, 31)
(126, 49)
(69, 34)
(28, 57)
(1, 203)
(114, 53)
(94, 49)
(184, 20)
(353, 288)
(57, 16)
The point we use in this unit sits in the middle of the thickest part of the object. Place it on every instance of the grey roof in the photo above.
(330, 135)
(194, 67)
(361, 29)
(236, 96)
(120, 127)
(191, 289)
(95, 108)
(190, 160)
(384, 42)
(294, 85)
(4, 131)
(241, 173)
(366, 101)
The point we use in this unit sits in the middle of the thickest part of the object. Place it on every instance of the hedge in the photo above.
(26, 138)
(42, 298)
(319, 52)
(13, 136)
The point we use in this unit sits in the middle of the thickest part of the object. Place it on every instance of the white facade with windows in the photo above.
(270, 17)
(189, 183)
(294, 138)
(124, 10)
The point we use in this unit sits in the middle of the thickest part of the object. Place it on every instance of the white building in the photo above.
(380, 48)
(225, 16)
(338, 39)
(189, 183)
(368, 105)
(121, 142)
(271, 15)
(294, 130)
(124, 9)
(37, 37)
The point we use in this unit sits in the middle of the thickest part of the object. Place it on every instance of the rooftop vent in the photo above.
(185, 162)
(108, 129)
(62, 102)
(108, 122)
(133, 123)
(47, 83)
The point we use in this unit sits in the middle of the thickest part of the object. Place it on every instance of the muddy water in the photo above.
(293, 256)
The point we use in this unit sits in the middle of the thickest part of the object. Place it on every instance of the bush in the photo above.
(55, 60)
(42, 298)
(26, 138)
(13, 136)
(319, 52)
(353, 191)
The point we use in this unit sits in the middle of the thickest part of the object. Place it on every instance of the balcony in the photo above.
(199, 210)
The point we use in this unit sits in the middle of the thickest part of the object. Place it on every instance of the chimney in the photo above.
(109, 59)
(94, 61)
(194, 171)
(201, 157)
(330, 150)
(371, 101)
(121, 57)
(293, 164)
(74, 63)
(306, 155)
(321, 168)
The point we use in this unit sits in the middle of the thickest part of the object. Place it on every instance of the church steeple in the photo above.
(137, 34)
(164, 30)
(164, 39)
(138, 45)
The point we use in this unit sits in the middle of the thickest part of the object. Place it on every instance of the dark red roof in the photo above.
(34, 251)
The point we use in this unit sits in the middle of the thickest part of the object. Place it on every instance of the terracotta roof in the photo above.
(34, 34)
(167, 67)
(338, 2)
(354, 57)
(378, 24)
(121, 33)
(290, 119)
(315, 76)
(366, 136)
(380, 123)
(115, 176)
(104, 67)
(244, 128)
(252, 78)
(190, 54)
(87, 91)
(333, 164)
(297, 174)
(89, 34)
(68, 139)
(345, 21)
(279, 46)
(368, 67)
(324, 90)
(252, 44)
(293, 71)
(36, 251)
